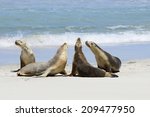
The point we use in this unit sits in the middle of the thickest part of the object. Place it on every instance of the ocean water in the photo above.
(121, 27)
(52, 22)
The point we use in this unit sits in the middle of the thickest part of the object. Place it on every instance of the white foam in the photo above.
(70, 38)
(126, 27)
(8, 41)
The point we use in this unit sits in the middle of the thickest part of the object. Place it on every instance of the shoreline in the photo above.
(133, 83)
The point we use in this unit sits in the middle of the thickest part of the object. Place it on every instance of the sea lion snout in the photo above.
(78, 44)
(66, 44)
(78, 39)
(87, 43)
(17, 42)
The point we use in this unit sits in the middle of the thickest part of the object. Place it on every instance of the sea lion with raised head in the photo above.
(104, 60)
(52, 67)
(26, 56)
(81, 66)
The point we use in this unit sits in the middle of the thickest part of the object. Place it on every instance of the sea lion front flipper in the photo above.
(22, 64)
(74, 66)
(74, 70)
(46, 72)
(63, 72)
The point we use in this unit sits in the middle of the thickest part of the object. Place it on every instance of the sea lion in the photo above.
(81, 66)
(104, 60)
(52, 67)
(26, 56)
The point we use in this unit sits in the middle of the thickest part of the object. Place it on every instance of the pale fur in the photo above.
(55, 65)
(27, 55)
(104, 59)
(58, 65)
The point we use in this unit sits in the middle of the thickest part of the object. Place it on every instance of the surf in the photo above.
(45, 40)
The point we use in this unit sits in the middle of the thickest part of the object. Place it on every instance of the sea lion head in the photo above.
(93, 46)
(20, 43)
(63, 48)
(90, 44)
(78, 44)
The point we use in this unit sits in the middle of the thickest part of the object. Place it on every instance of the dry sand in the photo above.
(133, 83)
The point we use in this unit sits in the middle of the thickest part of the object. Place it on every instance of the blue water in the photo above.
(52, 22)
(121, 27)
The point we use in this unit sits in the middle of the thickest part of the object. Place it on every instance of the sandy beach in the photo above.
(133, 83)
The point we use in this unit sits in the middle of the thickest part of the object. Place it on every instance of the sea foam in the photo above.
(47, 40)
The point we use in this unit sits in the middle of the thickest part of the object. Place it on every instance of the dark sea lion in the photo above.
(52, 67)
(26, 56)
(81, 66)
(104, 60)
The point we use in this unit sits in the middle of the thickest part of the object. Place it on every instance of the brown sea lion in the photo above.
(26, 56)
(52, 67)
(81, 66)
(104, 60)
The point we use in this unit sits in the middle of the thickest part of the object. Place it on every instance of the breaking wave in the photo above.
(47, 40)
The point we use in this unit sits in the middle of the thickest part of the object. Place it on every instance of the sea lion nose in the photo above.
(16, 42)
(86, 42)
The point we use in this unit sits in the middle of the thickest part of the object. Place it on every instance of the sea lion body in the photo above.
(104, 60)
(52, 67)
(81, 66)
(27, 55)
(33, 69)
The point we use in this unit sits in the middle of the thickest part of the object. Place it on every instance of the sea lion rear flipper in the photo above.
(114, 75)
(15, 70)
(115, 71)
(74, 67)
